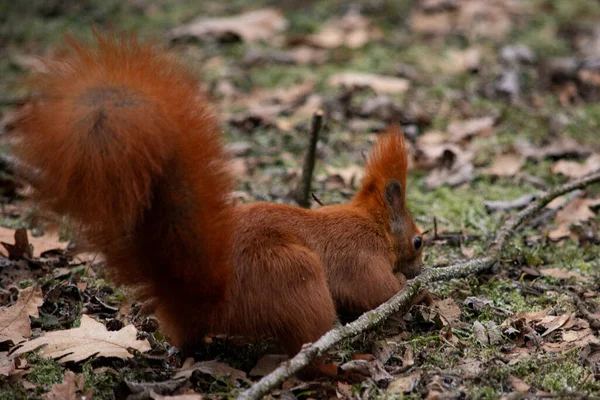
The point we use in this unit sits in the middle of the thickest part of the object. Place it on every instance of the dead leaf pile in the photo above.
(553, 333)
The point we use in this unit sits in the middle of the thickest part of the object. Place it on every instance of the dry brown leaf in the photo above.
(353, 30)
(379, 83)
(461, 130)
(447, 309)
(49, 241)
(350, 175)
(250, 27)
(267, 364)
(553, 323)
(572, 339)
(91, 338)
(439, 24)
(460, 61)
(458, 172)
(474, 18)
(508, 164)
(14, 320)
(468, 368)
(188, 396)
(518, 384)
(562, 274)
(563, 231)
(573, 169)
(70, 389)
(7, 365)
(577, 210)
(404, 384)
(213, 368)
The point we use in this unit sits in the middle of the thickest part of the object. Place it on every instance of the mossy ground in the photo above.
(37, 28)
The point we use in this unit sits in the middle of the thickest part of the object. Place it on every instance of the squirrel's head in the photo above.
(383, 192)
(406, 236)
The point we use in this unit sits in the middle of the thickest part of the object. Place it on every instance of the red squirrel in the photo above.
(126, 147)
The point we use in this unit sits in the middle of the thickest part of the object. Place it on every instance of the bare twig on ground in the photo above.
(302, 194)
(505, 205)
(412, 288)
(585, 313)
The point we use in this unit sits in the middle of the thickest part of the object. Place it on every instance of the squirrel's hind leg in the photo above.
(282, 293)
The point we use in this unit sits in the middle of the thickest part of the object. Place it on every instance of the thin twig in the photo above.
(505, 205)
(315, 198)
(412, 288)
(594, 322)
(302, 194)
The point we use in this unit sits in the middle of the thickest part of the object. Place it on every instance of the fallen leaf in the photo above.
(555, 323)
(473, 18)
(454, 170)
(480, 333)
(213, 368)
(250, 27)
(461, 61)
(91, 338)
(21, 247)
(267, 364)
(14, 320)
(404, 384)
(353, 30)
(578, 210)
(461, 130)
(447, 309)
(562, 274)
(379, 83)
(561, 148)
(571, 340)
(189, 396)
(350, 175)
(467, 369)
(70, 389)
(7, 365)
(41, 244)
(573, 169)
(508, 164)
(518, 384)
(439, 24)
(373, 369)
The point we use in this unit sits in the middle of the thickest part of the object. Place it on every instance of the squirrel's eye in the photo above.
(417, 242)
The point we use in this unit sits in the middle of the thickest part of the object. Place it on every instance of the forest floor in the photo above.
(499, 100)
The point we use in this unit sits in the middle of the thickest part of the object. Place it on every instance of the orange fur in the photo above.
(128, 149)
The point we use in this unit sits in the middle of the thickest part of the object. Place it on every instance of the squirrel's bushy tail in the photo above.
(124, 144)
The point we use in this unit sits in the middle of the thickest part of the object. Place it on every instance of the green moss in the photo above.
(565, 376)
(44, 371)
(103, 384)
(506, 294)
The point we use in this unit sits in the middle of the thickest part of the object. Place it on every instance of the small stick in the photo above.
(594, 322)
(411, 289)
(302, 194)
(315, 198)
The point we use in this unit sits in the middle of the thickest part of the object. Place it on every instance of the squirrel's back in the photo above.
(124, 144)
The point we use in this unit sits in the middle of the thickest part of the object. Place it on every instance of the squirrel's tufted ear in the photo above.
(394, 197)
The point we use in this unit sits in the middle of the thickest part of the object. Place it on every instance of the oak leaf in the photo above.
(90, 339)
(14, 320)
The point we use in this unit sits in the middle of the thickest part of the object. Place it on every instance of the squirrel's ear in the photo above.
(394, 197)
